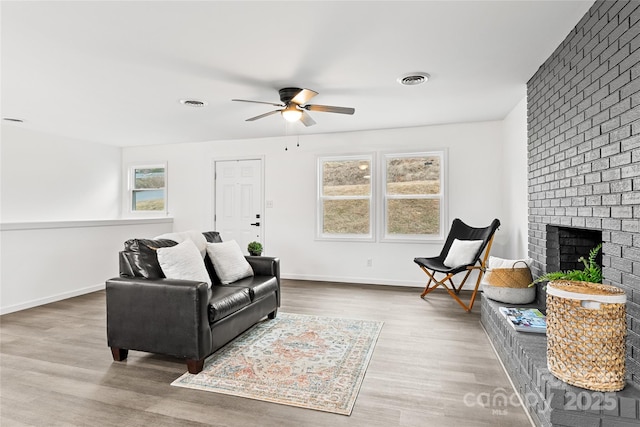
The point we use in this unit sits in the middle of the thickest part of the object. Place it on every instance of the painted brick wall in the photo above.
(584, 148)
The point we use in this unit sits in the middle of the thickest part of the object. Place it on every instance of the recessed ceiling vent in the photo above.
(413, 79)
(193, 102)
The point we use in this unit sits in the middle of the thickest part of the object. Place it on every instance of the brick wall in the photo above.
(584, 148)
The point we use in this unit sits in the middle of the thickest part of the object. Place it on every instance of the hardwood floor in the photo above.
(432, 366)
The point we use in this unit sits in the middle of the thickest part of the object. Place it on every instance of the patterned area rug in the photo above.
(307, 361)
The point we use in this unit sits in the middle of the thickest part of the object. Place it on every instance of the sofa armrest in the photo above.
(265, 266)
(166, 316)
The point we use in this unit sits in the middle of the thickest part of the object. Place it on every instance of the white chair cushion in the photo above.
(462, 252)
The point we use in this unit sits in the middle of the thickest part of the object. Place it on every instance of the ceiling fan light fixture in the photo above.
(413, 79)
(294, 100)
(291, 113)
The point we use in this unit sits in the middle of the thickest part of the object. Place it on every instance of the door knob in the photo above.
(257, 224)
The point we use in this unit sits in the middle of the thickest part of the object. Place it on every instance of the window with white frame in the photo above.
(345, 208)
(413, 193)
(148, 188)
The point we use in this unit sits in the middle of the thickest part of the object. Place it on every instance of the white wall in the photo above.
(51, 261)
(476, 192)
(51, 178)
(514, 177)
(55, 195)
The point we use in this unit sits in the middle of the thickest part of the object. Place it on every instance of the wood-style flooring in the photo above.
(432, 366)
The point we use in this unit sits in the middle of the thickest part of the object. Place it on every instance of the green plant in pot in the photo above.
(592, 271)
(255, 248)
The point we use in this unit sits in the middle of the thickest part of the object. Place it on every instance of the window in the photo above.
(413, 196)
(345, 208)
(410, 205)
(147, 188)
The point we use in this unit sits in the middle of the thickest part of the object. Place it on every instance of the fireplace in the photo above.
(565, 246)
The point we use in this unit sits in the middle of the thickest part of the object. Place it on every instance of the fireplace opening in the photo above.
(565, 246)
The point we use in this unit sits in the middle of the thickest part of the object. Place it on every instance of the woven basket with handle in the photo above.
(514, 277)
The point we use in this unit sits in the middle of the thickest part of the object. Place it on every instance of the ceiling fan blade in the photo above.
(306, 119)
(330, 109)
(303, 96)
(259, 102)
(262, 115)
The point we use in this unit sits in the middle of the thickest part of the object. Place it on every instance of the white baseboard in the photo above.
(359, 280)
(50, 299)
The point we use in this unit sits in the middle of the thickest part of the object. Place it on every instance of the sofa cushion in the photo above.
(143, 258)
(183, 261)
(195, 236)
(228, 261)
(259, 286)
(226, 300)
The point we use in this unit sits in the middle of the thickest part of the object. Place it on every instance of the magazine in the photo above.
(525, 319)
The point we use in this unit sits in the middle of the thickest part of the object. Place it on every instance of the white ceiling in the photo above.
(114, 72)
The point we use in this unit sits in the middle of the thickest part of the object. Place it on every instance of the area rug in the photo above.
(306, 361)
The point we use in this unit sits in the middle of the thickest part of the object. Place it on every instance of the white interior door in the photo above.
(238, 201)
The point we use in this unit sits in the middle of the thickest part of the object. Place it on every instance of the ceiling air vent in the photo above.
(193, 102)
(413, 79)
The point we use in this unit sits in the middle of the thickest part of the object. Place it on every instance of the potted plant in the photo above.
(255, 248)
(586, 327)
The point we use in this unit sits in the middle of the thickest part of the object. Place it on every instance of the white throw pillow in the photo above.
(462, 252)
(183, 261)
(194, 235)
(228, 261)
(495, 262)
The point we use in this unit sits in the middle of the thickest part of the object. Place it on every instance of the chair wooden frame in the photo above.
(454, 291)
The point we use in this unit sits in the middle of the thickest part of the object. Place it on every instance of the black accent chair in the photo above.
(431, 266)
(184, 318)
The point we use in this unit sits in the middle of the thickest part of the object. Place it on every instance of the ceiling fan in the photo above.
(294, 100)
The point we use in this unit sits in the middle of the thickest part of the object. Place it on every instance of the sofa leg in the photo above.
(195, 366)
(119, 354)
(273, 314)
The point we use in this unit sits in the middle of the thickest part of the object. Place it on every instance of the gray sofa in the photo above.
(184, 318)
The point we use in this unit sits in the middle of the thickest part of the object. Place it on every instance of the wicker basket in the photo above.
(514, 277)
(586, 332)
